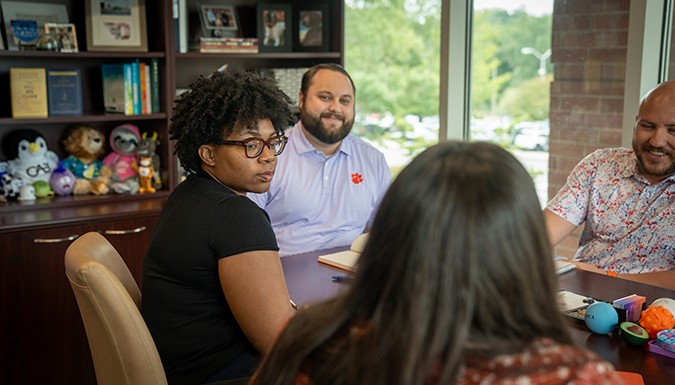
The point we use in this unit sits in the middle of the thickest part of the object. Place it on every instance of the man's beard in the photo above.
(315, 126)
(652, 170)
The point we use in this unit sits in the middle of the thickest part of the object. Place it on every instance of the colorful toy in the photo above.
(124, 140)
(85, 144)
(62, 180)
(30, 160)
(42, 189)
(666, 339)
(667, 303)
(148, 148)
(655, 319)
(631, 305)
(601, 317)
(146, 172)
(633, 334)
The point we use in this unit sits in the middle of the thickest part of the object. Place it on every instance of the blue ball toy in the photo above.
(601, 317)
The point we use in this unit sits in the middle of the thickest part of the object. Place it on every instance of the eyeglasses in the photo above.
(254, 146)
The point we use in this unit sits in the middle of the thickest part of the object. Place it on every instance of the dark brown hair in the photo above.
(309, 75)
(457, 263)
(212, 105)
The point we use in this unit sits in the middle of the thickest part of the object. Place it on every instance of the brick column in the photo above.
(589, 46)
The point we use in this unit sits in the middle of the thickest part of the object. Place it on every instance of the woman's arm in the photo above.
(255, 289)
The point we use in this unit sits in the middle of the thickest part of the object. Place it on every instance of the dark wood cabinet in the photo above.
(42, 339)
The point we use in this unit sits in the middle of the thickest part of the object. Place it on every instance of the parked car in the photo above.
(532, 135)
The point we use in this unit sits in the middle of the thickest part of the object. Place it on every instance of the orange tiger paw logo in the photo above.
(357, 178)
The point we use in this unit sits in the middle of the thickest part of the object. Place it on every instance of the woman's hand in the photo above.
(255, 289)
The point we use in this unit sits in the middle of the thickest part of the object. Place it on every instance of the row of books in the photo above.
(228, 45)
(131, 88)
(41, 92)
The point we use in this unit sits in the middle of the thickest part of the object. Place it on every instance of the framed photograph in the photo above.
(40, 13)
(65, 34)
(217, 20)
(275, 24)
(116, 25)
(311, 31)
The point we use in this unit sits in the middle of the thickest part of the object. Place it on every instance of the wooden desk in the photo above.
(309, 282)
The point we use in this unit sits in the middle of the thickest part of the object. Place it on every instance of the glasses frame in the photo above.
(266, 143)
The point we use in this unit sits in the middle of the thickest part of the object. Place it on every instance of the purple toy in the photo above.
(62, 180)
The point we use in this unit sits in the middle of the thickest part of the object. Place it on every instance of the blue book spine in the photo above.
(64, 92)
(154, 85)
(128, 90)
(136, 84)
(113, 87)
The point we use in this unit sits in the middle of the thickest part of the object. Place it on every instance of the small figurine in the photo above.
(148, 148)
(146, 172)
(11, 186)
(84, 144)
(27, 193)
(124, 140)
(42, 189)
(30, 160)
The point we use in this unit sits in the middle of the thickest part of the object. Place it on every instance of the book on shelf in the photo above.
(143, 90)
(136, 87)
(148, 91)
(228, 45)
(114, 94)
(128, 90)
(183, 26)
(346, 260)
(64, 92)
(154, 85)
(28, 90)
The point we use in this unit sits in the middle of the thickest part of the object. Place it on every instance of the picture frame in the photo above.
(274, 27)
(65, 34)
(24, 33)
(311, 31)
(217, 20)
(41, 13)
(116, 25)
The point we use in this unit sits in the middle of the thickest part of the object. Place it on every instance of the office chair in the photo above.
(109, 300)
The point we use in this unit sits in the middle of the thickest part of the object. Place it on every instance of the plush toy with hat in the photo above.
(29, 158)
(124, 140)
(148, 149)
(84, 144)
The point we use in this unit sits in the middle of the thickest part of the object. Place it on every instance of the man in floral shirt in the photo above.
(625, 198)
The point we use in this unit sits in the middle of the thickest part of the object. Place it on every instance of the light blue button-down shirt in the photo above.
(317, 202)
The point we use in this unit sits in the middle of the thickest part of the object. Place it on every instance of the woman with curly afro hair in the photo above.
(214, 294)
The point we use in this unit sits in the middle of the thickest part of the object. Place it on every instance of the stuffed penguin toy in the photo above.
(30, 160)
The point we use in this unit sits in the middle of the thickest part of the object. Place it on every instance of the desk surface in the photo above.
(309, 282)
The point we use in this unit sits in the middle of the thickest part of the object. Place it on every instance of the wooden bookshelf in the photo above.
(40, 325)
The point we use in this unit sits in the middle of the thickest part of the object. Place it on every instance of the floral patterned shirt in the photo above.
(629, 227)
(542, 362)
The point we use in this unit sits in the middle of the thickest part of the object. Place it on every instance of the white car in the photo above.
(532, 135)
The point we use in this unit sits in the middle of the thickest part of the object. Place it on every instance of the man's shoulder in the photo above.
(361, 144)
(609, 157)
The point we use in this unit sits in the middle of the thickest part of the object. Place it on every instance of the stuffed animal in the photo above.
(30, 160)
(62, 180)
(42, 189)
(124, 140)
(148, 149)
(145, 171)
(85, 144)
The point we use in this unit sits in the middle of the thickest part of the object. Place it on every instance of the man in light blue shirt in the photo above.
(328, 182)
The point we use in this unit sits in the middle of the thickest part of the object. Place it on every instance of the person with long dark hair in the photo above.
(455, 286)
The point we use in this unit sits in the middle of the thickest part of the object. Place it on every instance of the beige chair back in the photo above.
(109, 300)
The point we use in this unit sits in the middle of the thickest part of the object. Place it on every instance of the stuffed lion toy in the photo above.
(84, 144)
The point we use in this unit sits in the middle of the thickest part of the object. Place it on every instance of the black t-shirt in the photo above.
(183, 303)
